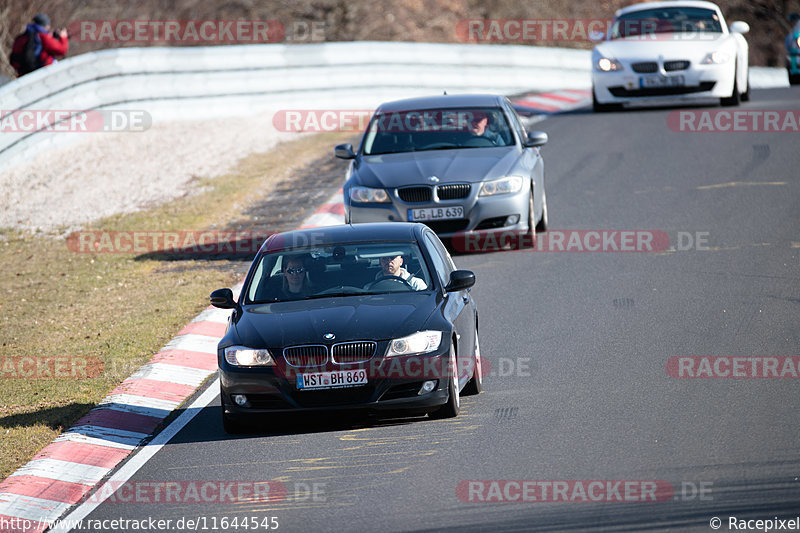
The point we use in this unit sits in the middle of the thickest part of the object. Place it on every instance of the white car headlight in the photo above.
(606, 64)
(715, 58)
(368, 195)
(241, 356)
(416, 344)
(507, 185)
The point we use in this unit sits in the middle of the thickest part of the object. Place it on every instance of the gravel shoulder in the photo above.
(111, 173)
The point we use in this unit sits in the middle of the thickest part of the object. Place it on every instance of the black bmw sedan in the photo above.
(371, 317)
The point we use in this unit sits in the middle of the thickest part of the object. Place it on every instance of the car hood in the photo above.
(414, 168)
(669, 45)
(375, 317)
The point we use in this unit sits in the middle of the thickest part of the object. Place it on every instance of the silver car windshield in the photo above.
(338, 270)
(437, 129)
(648, 22)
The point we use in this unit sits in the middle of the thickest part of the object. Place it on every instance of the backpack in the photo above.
(27, 58)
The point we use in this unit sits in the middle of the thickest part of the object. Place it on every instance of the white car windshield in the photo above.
(646, 22)
(437, 129)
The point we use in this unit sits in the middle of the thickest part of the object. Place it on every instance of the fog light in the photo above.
(427, 387)
(512, 219)
(240, 399)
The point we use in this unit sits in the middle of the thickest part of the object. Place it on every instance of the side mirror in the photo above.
(536, 138)
(460, 280)
(739, 27)
(223, 298)
(344, 151)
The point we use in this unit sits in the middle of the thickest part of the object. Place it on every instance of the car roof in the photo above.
(346, 233)
(669, 3)
(442, 101)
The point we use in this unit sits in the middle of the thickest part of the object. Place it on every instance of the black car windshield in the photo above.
(437, 129)
(338, 270)
(646, 23)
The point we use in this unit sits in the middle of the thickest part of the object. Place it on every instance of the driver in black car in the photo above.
(392, 265)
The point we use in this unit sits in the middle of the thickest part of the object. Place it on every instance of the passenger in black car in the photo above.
(295, 279)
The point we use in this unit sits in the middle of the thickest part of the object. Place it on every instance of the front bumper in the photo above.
(699, 82)
(484, 212)
(392, 385)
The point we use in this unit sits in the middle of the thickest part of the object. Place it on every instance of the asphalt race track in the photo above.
(579, 344)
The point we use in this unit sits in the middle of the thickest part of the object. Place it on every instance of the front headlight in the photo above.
(606, 64)
(715, 58)
(368, 195)
(507, 185)
(241, 356)
(416, 344)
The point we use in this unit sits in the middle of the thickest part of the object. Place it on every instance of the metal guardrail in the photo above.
(173, 83)
(209, 82)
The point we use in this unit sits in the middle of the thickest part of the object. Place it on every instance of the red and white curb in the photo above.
(65, 471)
(537, 106)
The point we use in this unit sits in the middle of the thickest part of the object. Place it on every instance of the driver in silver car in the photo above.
(480, 126)
(392, 265)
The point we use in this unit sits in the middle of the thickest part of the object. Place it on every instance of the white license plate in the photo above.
(648, 82)
(435, 213)
(331, 380)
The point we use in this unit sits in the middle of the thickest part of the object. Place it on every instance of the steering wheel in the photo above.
(388, 281)
(478, 141)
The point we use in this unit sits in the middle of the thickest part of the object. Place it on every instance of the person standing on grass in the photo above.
(36, 47)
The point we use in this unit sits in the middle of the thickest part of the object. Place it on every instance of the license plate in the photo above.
(648, 82)
(331, 380)
(435, 213)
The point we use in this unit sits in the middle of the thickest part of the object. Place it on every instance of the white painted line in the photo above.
(141, 457)
(70, 436)
(62, 471)
(136, 402)
(130, 439)
(194, 343)
(181, 375)
(30, 508)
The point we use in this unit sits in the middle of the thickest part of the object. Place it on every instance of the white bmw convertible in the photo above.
(669, 52)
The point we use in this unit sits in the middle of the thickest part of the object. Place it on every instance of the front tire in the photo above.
(735, 97)
(544, 222)
(531, 235)
(475, 385)
(453, 405)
